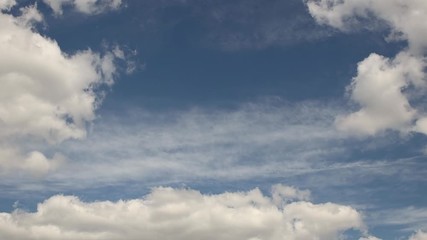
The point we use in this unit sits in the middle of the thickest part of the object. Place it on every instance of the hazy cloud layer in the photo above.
(254, 140)
(383, 86)
(263, 140)
(168, 213)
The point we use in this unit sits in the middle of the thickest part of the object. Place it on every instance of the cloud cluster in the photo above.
(385, 88)
(168, 213)
(84, 6)
(45, 93)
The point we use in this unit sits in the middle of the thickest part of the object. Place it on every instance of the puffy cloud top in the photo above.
(168, 213)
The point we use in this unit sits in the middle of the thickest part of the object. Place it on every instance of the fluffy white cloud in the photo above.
(45, 93)
(168, 213)
(380, 87)
(84, 6)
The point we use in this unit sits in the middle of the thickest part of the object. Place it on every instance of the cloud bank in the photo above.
(386, 89)
(168, 213)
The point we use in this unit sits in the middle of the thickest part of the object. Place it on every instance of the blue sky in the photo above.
(190, 119)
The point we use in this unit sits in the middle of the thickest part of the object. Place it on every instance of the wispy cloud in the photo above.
(235, 25)
(264, 140)
(406, 219)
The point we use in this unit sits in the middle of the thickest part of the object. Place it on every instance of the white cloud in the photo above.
(380, 87)
(420, 235)
(7, 4)
(168, 213)
(377, 88)
(84, 6)
(36, 163)
(282, 193)
(403, 17)
(45, 93)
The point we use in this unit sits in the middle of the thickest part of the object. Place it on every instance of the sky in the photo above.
(213, 119)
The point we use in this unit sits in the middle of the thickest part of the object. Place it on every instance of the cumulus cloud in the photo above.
(381, 86)
(84, 6)
(378, 89)
(45, 93)
(420, 235)
(168, 213)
